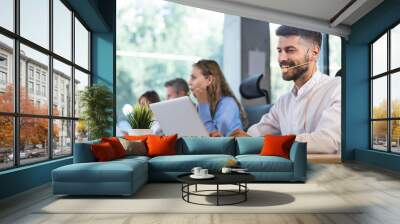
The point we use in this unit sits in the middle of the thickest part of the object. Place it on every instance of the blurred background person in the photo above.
(218, 107)
(176, 88)
(149, 97)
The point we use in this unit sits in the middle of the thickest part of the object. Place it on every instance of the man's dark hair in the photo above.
(178, 84)
(285, 31)
(152, 96)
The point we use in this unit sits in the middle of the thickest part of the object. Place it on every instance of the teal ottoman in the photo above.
(118, 177)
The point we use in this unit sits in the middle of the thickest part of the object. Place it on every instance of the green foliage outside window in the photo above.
(158, 41)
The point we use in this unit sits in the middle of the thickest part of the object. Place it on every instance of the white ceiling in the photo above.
(308, 14)
(322, 9)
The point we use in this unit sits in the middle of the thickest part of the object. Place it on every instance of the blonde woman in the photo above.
(219, 109)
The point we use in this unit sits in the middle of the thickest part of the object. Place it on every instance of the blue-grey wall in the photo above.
(24, 178)
(356, 86)
(99, 15)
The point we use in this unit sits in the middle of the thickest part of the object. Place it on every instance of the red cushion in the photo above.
(277, 145)
(103, 151)
(116, 145)
(161, 145)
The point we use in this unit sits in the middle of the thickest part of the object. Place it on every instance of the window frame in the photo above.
(16, 114)
(388, 74)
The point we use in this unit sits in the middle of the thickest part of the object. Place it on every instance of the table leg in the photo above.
(217, 194)
(245, 193)
(188, 190)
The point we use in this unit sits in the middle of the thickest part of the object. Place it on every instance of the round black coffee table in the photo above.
(238, 179)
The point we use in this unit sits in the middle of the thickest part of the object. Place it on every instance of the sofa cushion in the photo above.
(277, 145)
(249, 145)
(116, 145)
(185, 163)
(257, 163)
(206, 145)
(83, 152)
(161, 145)
(134, 147)
(112, 171)
(103, 152)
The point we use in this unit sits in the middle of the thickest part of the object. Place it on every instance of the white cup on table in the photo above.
(196, 171)
(203, 172)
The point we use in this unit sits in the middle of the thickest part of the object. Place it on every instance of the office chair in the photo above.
(250, 89)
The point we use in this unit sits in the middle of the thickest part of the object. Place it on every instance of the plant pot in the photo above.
(140, 132)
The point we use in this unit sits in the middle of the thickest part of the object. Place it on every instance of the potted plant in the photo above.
(140, 119)
(96, 102)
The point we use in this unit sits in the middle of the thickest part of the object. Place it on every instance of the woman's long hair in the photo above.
(219, 87)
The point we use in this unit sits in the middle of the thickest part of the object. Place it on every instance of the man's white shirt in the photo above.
(312, 113)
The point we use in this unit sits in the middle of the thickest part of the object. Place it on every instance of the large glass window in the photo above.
(7, 14)
(81, 81)
(33, 140)
(40, 62)
(35, 21)
(45, 74)
(81, 45)
(62, 137)
(379, 56)
(62, 89)
(62, 29)
(6, 74)
(6, 142)
(385, 94)
(395, 47)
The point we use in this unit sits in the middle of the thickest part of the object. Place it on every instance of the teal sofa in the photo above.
(125, 176)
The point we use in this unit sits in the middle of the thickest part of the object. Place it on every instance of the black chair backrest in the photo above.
(250, 88)
(339, 73)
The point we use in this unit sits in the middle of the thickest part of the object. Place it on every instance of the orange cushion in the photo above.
(116, 145)
(103, 152)
(161, 145)
(277, 145)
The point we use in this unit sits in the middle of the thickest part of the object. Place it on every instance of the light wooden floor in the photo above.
(379, 189)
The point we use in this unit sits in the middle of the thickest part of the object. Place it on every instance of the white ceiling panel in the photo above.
(318, 15)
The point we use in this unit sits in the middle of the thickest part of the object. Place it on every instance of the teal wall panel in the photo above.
(24, 178)
(356, 81)
(379, 159)
(102, 58)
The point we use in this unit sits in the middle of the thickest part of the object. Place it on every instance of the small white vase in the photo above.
(140, 132)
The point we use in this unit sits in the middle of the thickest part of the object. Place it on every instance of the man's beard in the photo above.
(297, 72)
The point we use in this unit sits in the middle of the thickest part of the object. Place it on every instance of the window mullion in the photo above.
(50, 81)
(371, 92)
(389, 106)
(16, 84)
(73, 82)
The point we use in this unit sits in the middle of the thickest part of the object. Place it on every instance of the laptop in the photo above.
(179, 116)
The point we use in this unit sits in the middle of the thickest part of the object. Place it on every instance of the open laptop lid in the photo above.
(179, 116)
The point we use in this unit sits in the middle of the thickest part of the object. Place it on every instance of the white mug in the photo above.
(226, 170)
(196, 171)
(203, 172)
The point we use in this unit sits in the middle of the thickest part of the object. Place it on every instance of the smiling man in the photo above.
(312, 109)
